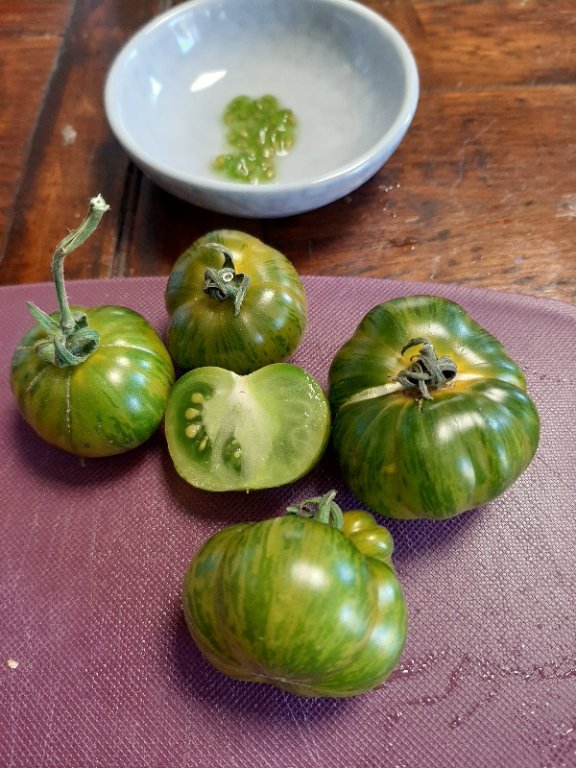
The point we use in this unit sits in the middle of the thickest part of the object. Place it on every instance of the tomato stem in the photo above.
(321, 508)
(69, 340)
(225, 283)
(426, 371)
(73, 240)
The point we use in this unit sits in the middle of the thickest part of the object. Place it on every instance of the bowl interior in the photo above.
(342, 75)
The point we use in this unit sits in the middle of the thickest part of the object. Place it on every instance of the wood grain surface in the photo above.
(481, 191)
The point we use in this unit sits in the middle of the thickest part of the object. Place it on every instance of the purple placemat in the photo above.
(97, 669)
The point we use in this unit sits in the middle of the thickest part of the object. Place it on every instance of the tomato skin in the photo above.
(298, 604)
(205, 332)
(408, 457)
(228, 432)
(111, 402)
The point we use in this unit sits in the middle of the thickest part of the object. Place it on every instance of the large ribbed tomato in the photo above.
(308, 604)
(234, 303)
(430, 415)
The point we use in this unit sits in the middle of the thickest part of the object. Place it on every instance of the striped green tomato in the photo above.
(234, 303)
(109, 403)
(430, 415)
(227, 432)
(311, 605)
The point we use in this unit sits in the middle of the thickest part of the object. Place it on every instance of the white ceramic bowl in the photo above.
(346, 73)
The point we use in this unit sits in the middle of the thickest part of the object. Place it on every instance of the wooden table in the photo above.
(481, 191)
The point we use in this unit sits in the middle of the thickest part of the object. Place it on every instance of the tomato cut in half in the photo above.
(228, 432)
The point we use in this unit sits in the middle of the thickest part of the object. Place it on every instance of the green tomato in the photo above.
(227, 432)
(94, 382)
(112, 401)
(234, 303)
(430, 416)
(309, 605)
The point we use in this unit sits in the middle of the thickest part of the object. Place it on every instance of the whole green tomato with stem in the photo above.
(308, 602)
(431, 417)
(233, 303)
(91, 381)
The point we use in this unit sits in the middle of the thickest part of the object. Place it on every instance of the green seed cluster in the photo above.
(258, 131)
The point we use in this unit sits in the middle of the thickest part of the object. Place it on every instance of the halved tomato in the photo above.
(228, 432)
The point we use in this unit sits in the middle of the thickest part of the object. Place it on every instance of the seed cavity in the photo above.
(195, 429)
(232, 454)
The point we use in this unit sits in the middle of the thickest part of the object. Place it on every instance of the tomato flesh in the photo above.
(230, 432)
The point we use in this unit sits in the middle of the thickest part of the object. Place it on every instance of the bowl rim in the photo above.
(390, 138)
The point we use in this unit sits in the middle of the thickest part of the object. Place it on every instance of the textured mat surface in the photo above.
(97, 669)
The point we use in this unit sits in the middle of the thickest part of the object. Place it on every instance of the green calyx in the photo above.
(69, 340)
(426, 371)
(63, 349)
(320, 508)
(225, 283)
